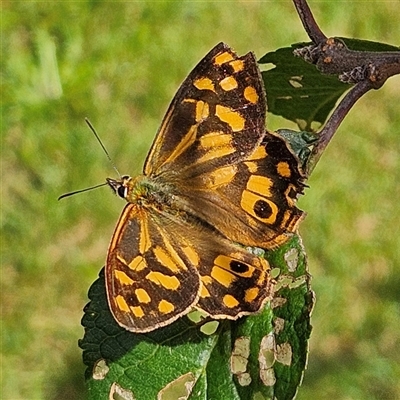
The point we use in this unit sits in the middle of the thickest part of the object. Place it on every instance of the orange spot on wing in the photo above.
(221, 176)
(260, 184)
(144, 238)
(165, 307)
(237, 65)
(137, 264)
(192, 255)
(166, 260)
(228, 83)
(166, 281)
(258, 154)
(217, 145)
(202, 111)
(230, 301)
(121, 303)
(137, 311)
(223, 58)
(204, 84)
(231, 117)
(220, 271)
(204, 292)
(251, 166)
(250, 94)
(283, 169)
(251, 294)
(123, 278)
(142, 296)
(207, 280)
(215, 139)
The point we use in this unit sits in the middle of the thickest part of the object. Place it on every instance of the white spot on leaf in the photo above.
(209, 328)
(100, 370)
(279, 324)
(295, 81)
(266, 359)
(179, 389)
(284, 353)
(119, 393)
(267, 377)
(278, 302)
(292, 258)
(240, 355)
(244, 379)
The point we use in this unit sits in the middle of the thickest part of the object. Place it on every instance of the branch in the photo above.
(367, 69)
(309, 23)
(331, 126)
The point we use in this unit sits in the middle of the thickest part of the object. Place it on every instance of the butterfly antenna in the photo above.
(102, 146)
(81, 190)
(109, 159)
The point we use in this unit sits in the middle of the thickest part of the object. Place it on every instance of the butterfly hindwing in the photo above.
(252, 202)
(234, 283)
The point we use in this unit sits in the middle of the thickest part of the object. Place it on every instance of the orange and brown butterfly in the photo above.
(213, 182)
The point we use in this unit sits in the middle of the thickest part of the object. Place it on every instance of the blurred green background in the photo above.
(119, 64)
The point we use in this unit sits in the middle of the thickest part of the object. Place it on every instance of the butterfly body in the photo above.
(214, 180)
(142, 190)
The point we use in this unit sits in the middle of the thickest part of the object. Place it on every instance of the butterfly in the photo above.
(214, 182)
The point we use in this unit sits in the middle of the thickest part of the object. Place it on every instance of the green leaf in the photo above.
(368, 45)
(262, 356)
(297, 91)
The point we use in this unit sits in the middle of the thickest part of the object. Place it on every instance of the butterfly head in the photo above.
(133, 190)
(120, 186)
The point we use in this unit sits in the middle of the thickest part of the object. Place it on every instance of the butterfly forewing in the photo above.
(150, 280)
(216, 118)
(227, 177)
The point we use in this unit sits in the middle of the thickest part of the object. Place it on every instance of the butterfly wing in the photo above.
(234, 282)
(160, 265)
(150, 279)
(217, 117)
(209, 153)
(252, 202)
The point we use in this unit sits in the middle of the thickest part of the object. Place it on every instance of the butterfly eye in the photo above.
(121, 191)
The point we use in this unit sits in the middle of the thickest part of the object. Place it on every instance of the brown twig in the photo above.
(331, 126)
(309, 23)
(333, 57)
(368, 70)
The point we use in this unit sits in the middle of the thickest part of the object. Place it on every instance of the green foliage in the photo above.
(120, 64)
(297, 91)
